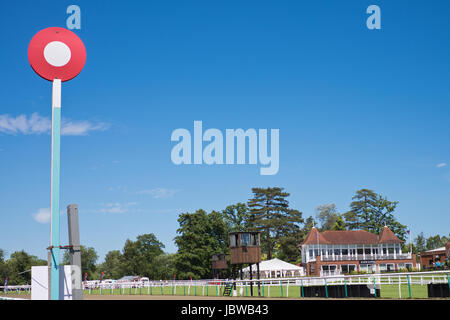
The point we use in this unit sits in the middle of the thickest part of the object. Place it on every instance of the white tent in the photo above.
(274, 268)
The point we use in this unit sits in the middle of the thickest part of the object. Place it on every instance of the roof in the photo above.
(274, 265)
(350, 237)
(314, 237)
(435, 250)
(128, 278)
(387, 236)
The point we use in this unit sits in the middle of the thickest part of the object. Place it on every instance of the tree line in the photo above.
(202, 234)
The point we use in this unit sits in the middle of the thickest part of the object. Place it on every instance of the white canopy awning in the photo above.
(275, 267)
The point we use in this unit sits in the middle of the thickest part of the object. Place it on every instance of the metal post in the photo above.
(374, 287)
(326, 289)
(55, 189)
(281, 288)
(251, 282)
(301, 285)
(448, 279)
(409, 286)
(75, 250)
(259, 278)
(345, 282)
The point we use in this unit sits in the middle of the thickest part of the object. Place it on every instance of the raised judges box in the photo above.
(245, 247)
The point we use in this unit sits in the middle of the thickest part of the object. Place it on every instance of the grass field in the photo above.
(417, 289)
(294, 291)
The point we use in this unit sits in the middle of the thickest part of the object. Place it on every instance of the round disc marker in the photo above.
(56, 53)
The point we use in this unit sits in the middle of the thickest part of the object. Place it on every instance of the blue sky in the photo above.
(356, 108)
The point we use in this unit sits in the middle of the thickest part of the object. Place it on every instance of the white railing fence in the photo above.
(271, 287)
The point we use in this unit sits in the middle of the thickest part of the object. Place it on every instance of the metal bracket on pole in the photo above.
(75, 251)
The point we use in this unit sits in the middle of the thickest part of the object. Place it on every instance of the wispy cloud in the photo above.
(158, 193)
(116, 207)
(441, 165)
(37, 124)
(81, 128)
(42, 215)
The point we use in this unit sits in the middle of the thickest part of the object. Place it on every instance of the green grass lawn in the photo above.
(294, 291)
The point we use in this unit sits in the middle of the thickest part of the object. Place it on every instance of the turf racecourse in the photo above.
(216, 292)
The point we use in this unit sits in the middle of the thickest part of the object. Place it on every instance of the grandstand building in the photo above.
(341, 252)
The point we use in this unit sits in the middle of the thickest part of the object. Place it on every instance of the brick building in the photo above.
(435, 257)
(340, 252)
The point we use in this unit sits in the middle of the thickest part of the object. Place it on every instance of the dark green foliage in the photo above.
(270, 214)
(88, 261)
(200, 236)
(339, 224)
(236, 217)
(371, 211)
(16, 267)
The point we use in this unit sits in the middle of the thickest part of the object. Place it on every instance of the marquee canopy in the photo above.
(275, 268)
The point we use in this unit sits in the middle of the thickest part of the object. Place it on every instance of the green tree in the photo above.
(436, 241)
(112, 266)
(138, 256)
(419, 243)
(200, 235)
(306, 229)
(270, 214)
(371, 211)
(236, 217)
(287, 249)
(88, 261)
(3, 272)
(164, 265)
(339, 224)
(327, 215)
(18, 267)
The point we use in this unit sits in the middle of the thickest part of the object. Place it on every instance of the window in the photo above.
(254, 240)
(383, 267)
(345, 252)
(337, 252)
(367, 250)
(375, 250)
(233, 240)
(311, 253)
(360, 251)
(245, 239)
(390, 267)
(347, 268)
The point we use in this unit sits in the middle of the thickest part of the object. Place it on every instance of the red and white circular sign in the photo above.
(56, 53)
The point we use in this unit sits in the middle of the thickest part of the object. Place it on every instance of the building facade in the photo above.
(341, 252)
(436, 257)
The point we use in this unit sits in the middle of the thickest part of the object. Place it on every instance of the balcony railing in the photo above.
(367, 257)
